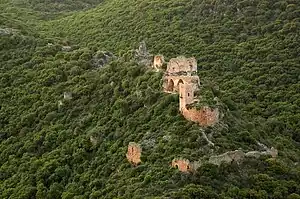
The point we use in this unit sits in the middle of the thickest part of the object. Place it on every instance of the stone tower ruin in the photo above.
(181, 77)
(158, 62)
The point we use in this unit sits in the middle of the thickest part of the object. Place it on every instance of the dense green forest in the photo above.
(248, 57)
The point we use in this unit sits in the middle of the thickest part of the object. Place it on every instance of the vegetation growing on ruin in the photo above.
(247, 54)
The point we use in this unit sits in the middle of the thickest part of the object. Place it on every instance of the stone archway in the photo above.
(170, 87)
(177, 89)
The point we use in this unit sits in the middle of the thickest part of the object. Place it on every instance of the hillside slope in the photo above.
(249, 48)
(53, 147)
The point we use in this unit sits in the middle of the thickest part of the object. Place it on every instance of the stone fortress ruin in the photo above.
(181, 77)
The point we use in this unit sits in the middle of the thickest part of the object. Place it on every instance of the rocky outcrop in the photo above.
(238, 156)
(66, 48)
(68, 96)
(134, 152)
(256, 154)
(102, 58)
(227, 157)
(142, 56)
(7, 31)
(93, 140)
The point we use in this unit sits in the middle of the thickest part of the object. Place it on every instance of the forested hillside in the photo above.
(52, 146)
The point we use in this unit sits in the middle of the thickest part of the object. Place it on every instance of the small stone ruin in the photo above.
(184, 165)
(158, 62)
(134, 152)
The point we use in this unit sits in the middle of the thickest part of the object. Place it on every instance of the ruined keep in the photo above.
(181, 77)
(134, 152)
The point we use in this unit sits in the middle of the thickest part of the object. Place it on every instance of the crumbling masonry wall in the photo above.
(183, 165)
(182, 65)
(181, 77)
(205, 116)
(158, 62)
(134, 152)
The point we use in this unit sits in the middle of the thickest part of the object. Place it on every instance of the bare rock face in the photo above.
(66, 48)
(256, 154)
(68, 96)
(7, 31)
(239, 156)
(102, 58)
(227, 157)
(142, 55)
(93, 140)
(134, 152)
(273, 152)
(60, 103)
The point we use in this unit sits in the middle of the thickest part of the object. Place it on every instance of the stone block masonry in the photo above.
(181, 77)
(134, 152)
(158, 62)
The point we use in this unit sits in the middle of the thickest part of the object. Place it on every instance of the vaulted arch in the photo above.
(170, 86)
(180, 81)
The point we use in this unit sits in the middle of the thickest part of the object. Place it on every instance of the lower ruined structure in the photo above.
(184, 165)
(181, 77)
(134, 152)
(205, 116)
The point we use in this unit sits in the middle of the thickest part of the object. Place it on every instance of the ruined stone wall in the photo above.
(181, 78)
(186, 95)
(158, 62)
(171, 83)
(205, 116)
(182, 64)
(134, 152)
(183, 165)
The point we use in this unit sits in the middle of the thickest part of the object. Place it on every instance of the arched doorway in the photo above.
(170, 85)
(178, 85)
